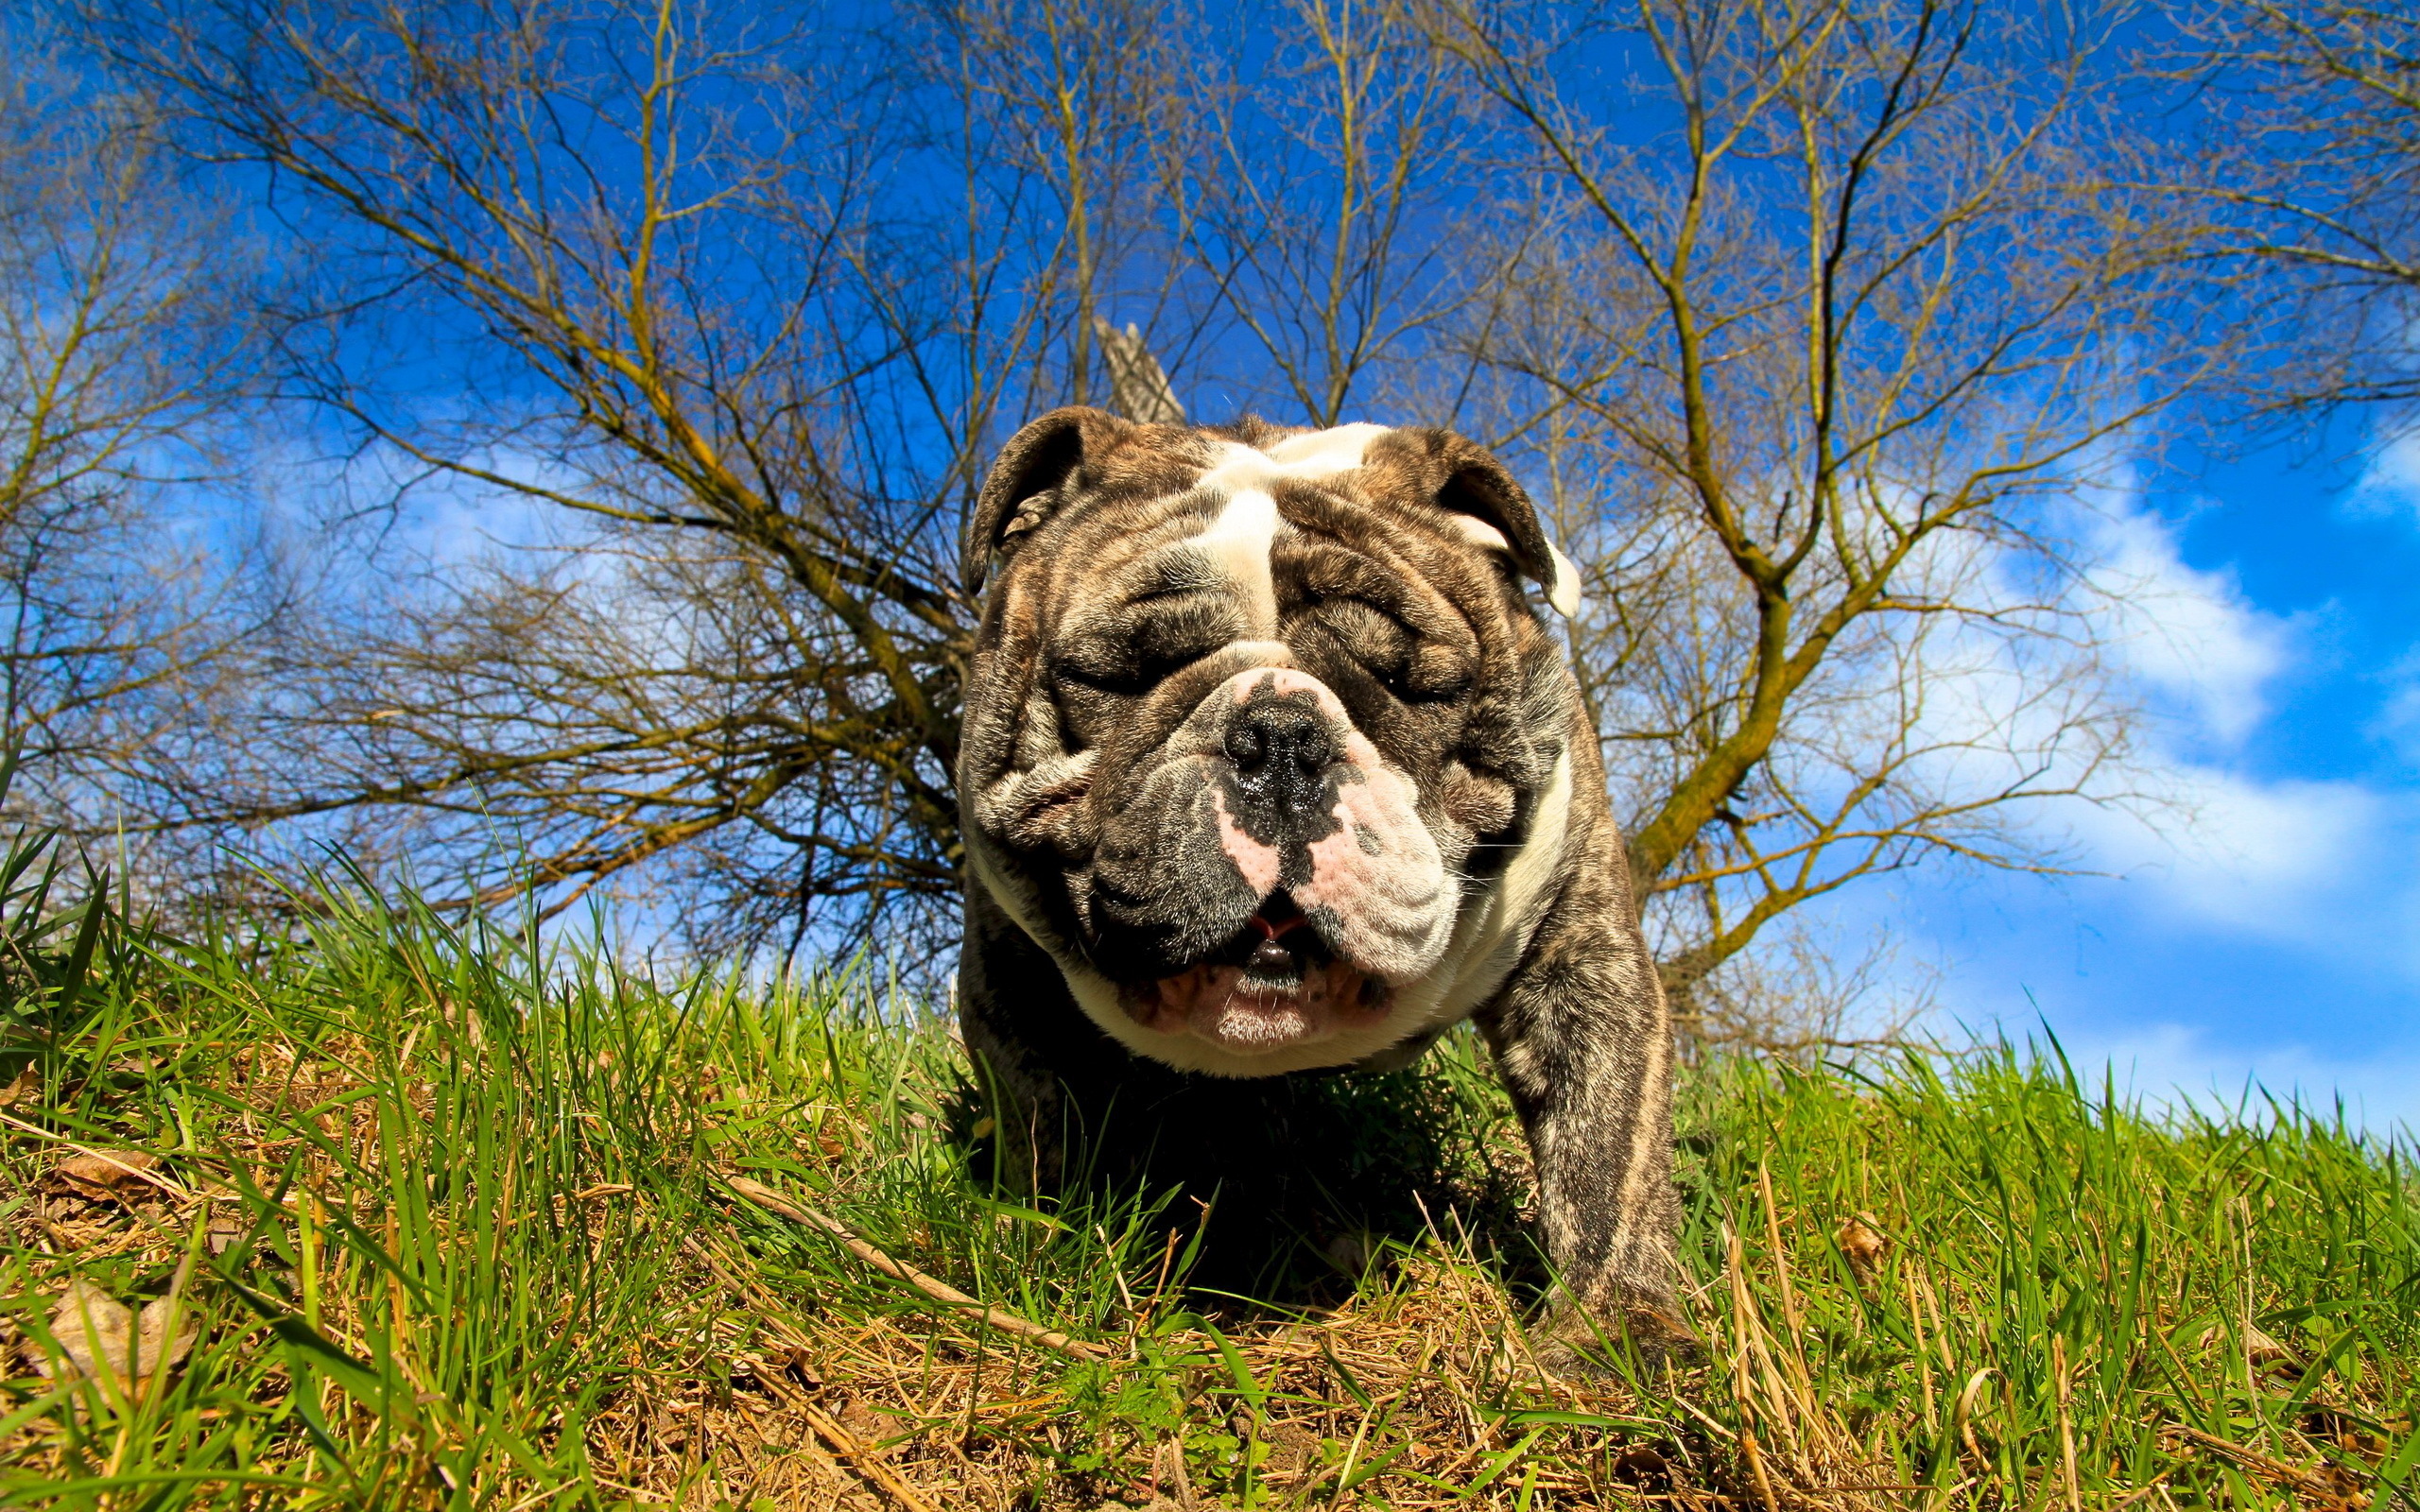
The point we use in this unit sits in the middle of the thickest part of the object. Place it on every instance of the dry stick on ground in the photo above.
(854, 1457)
(939, 1290)
(862, 1458)
(2291, 1476)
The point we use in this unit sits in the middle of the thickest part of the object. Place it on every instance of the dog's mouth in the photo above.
(1277, 947)
(1274, 983)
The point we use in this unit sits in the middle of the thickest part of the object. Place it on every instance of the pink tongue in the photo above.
(1270, 931)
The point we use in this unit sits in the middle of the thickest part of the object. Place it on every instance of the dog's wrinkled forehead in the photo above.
(1152, 479)
(1240, 538)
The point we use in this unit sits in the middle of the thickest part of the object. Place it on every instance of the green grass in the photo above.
(453, 1224)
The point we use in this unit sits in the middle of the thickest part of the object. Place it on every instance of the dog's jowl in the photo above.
(1272, 765)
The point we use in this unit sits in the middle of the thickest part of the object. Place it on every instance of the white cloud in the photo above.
(2398, 719)
(2320, 879)
(450, 521)
(2328, 867)
(2389, 485)
(2319, 863)
(2190, 635)
(2209, 845)
(2293, 860)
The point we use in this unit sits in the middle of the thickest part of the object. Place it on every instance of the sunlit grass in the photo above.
(453, 1222)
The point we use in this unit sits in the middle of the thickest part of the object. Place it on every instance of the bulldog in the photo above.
(1272, 766)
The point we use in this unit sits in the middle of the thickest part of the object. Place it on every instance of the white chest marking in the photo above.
(1488, 941)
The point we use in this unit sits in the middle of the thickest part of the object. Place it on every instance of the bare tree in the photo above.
(125, 345)
(1837, 329)
(2306, 148)
(1339, 182)
(1821, 320)
(726, 316)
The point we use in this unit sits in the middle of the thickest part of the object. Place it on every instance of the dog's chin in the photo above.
(1249, 1014)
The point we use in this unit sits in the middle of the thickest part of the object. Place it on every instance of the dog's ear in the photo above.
(1473, 484)
(1028, 480)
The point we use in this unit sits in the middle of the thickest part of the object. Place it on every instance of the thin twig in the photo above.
(931, 1286)
(774, 1312)
(2252, 1459)
(863, 1461)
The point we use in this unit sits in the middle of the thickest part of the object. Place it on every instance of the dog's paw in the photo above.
(1601, 1341)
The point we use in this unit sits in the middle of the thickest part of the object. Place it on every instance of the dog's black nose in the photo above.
(1281, 748)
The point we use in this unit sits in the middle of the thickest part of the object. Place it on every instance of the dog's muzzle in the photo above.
(1343, 894)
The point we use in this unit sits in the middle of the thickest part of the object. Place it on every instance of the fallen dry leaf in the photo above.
(225, 1228)
(21, 1087)
(103, 1338)
(103, 1172)
(1643, 1467)
(1863, 1243)
(2263, 1349)
(800, 1367)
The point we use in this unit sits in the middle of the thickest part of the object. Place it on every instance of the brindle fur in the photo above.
(1479, 704)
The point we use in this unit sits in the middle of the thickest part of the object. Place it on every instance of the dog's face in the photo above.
(1264, 743)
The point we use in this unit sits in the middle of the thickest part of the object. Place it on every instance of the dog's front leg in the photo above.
(1013, 1010)
(1582, 1043)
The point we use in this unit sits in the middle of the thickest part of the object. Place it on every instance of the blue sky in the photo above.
(2274, 935)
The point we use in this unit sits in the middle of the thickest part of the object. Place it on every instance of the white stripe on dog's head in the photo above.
(1309, 457)
(1237, 543)
(1243, 533)
(1240, 537)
